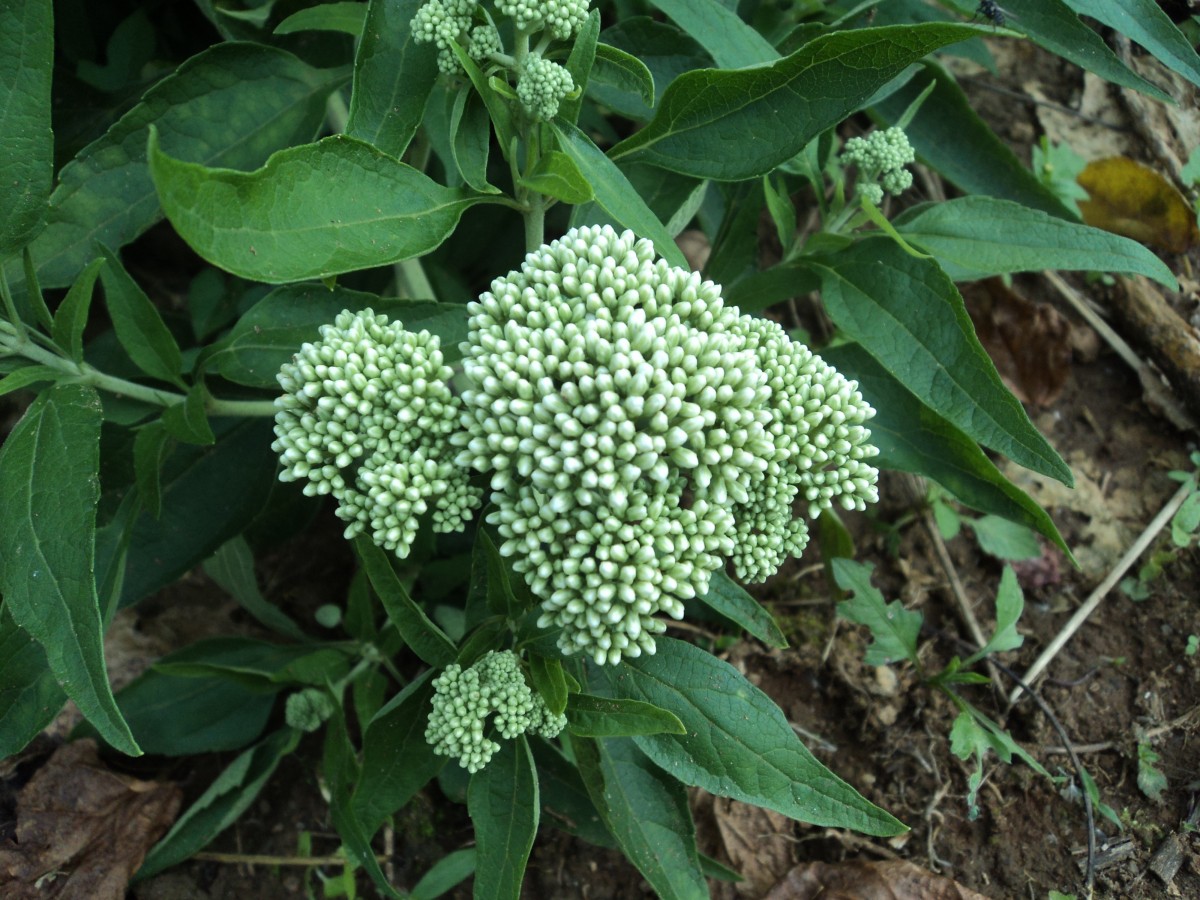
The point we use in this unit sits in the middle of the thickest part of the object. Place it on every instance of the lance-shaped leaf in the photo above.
(504, 806)
(30, 698)
(738, 742)
(232, 105)
(730, 599)
(427, 640)
(26, 144)
(733, 125)
(139, 327)
(1145, 22)
(907, 313)
(732, 43)
(312, 211)
(49, 488)
(591, 716)
(393, 76)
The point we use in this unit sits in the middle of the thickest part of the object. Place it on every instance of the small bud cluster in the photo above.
(367, 416)
(308, 709)
(881, 158)
(464, 699)
(638, 432)
(541, 84)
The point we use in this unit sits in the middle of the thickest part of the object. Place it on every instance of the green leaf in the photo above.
(506, 595)
(347, 18)
(151, 447)
(258, 665)
(187, 420)
(1010, 602)
(733, 125)
(730, 599)
(549, 682)
(913, 438)
(1004, 539)
(272, 330)
(617, 75)
(1053, 25)
(172, 715)
(232, 568)
(738, 743)
(71, 316)
(30, 698)
(909, 316)
(565, 796)
(1150, 779)
(470, 140)
(444, 875)
(951, 137)
(556, 175)
(1184, 524)
(665, 50)
(397, 761)
(591, 716)
(968, 738)
(426, 640)
(139, 327)
(977, 237)
(222, 804)
(209, 494)
(615, 193)
(310, 212)
(26, 143)
(647, 812)
(49, 488)
(32, 296)
(231, 105)
(504, 806)
(27, 375)
(393, 76)
(894, 629)
(732, 43)
(579, 65)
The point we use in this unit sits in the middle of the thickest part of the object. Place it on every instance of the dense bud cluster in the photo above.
(542, 86)
(881, 158)
(464, 699)
(562, 18)
(638, 432)
(366, 416)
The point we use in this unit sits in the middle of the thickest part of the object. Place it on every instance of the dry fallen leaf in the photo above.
(1128, 198)
(886, 880)
(82, 829)
(1030, 343)
(757, 842)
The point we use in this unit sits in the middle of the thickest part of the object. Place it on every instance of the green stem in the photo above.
(337, 113)
(10, 307)
(412, 282)
(82, 373)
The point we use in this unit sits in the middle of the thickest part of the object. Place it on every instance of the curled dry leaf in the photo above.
(1030, 343)
(82, 829)
(1128, 198)
(757, 842)
(854, 880)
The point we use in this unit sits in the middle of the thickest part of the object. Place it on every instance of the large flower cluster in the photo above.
(638, 432)
(366, 416)
(464, 699)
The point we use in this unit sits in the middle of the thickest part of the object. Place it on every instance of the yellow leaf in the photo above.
(1128, 198)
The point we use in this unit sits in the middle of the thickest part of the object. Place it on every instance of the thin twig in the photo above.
(256, 859)
(1089, 605)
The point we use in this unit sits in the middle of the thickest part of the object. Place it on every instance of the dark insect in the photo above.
(992, 12)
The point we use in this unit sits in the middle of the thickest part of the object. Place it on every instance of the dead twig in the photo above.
(1101, 591)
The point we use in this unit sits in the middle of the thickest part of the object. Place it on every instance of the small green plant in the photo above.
(1057, 167)
(1185, 534)
(1150, 778)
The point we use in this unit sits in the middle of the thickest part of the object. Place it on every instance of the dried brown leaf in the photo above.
(82, 829)
(855, 880)
(1128, 198)
(757, 842)
(1030, 343)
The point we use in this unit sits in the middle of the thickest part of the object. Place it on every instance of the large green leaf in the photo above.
(622, 82)
(738, 743)
(397, 760)
(504, 806)
(1145, 22)
(49, 488)
(733, 125)
(975, 237)
(209, 494)
(231, 105)
(646, 810)
(30, 698)
(907, 313)
(393, 76)
(1054, 25)
(272, 330)
(614, 192)
(257, 664)
(732, 43)
(222, 804)
(730, 599)
(26, 144)
(310, 212)
(911, 437)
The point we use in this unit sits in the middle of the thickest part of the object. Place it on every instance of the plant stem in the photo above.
(10, 308)
(81, 373)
